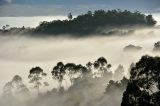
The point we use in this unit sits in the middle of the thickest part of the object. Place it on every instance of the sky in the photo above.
(63, 7)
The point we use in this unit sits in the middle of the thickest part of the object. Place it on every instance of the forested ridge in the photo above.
(97, 22)
(91, 23)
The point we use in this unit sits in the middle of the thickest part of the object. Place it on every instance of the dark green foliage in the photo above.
(150, 20)
(89, 23)
(144, 85)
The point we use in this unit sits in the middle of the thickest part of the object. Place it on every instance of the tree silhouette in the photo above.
(156, 46)
(70, 70)
(144, 84)
(58, 73)
(35, 75)
(102, 67)
(74, 72)
(90, 23)
(70, 16)
(116, 86)
(129, 69)
(3, 27)
(150, 20)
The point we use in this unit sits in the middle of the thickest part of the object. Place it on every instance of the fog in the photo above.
(27, 21)
(19, 53)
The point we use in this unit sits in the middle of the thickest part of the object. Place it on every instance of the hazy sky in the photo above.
(63, 7)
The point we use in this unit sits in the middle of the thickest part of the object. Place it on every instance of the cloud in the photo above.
(8, 1)
(5, 2)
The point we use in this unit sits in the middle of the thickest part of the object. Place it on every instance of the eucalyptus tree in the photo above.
(58, 73)
(143, 88)
(101, 66)
(71, 71)
(15, 86)
(36, 74)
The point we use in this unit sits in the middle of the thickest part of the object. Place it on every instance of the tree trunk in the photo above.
(38, 89)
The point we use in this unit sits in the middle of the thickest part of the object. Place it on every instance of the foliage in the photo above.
(144, 84)
(89, 23)
(35, 75)
(156, 46)
(99, 68)
(116, 86)
(16, 86)
(70, 16)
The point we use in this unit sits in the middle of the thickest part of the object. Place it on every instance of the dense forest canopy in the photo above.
(143, 88)
(90, 22)
(97, 22)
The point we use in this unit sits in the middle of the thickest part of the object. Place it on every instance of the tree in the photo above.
(143, 88)
(4, 27)
(35, 75)
(7, 26)
(15, 86)
(129, 69)
(116, 86)
(102, 67)
(7, 89)
(89, 67)
(74, 71)
(90, 23)
(70, 16)
(156, 46)
(150, 20)
(58, 73)
(89, 13)
(119, 73)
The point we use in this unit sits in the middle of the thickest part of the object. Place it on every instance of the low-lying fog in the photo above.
(18, 54)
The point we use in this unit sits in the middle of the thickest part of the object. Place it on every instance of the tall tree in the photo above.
(58, 73)
(15, 86)
(70, 16)
(35, 75)
(143, 88)
(102, 67)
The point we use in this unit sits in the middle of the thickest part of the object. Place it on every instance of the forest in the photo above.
(87, 24)
(89, 83)
(76, 84)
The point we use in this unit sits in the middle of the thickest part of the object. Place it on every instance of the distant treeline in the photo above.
(97, 22)
(89, 23)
